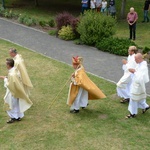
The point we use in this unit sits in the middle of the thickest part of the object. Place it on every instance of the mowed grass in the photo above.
(142, 29)
(142, 33)
(101, 126)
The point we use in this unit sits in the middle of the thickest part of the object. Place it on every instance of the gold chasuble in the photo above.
(20, 65)
(82, 80)
(16, 89)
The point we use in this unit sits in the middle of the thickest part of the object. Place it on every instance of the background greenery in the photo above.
(49, 8)
(101, 126)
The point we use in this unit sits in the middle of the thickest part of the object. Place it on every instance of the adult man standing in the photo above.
(138, 90)
(16, 100)
(20, 65)
(81, 88)
(146, 9)
(124, 84)
(132, 19)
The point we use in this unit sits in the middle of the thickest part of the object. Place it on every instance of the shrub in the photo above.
(29, 21)
(2, 10)
(74, 24)
(94, 26)
(52, 32)
(66, 33)
(78, 41)
(26, 20)
(146, 50)
(42, 23)
(8, 14)
(115, 45)
(63, 19)
(21, 18)
(51, 22)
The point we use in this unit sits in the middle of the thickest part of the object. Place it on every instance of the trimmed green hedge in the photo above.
(115, 45)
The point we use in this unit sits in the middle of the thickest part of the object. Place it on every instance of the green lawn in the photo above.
(101, 126)
(142, 33)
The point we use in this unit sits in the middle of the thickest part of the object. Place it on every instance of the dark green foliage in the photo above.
(51, 22)
(52, 32)
(78, 41)
(115, 45)
(74, 24)
(2, 10)
(94, 26)
(42, 23)
(146, 50)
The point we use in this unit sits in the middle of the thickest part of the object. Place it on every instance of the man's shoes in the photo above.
(125, 100)
(144, 110)
(86, 106)
(143, 21)
(130, 116)
(74, 111)
(19, 119)
(11, 120)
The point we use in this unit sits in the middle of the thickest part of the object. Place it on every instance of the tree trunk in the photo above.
(36, 3)
(123, 6)
(3, 4)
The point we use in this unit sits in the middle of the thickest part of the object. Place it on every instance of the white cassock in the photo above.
(138, 90)
(124, 84)
(14, 109)
(82, 97)
(81, 100)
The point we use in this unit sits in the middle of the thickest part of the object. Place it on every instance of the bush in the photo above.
(94, 26)
(78, 41)
(42, 23)
(63, 19)
(2, 10)
(146, 50)
(74, 24)
(115, 45)
(8, 14)
(51, 22)
(66, 33)
(21, 18)
(29, 21)
(52, 32)
(26, 20)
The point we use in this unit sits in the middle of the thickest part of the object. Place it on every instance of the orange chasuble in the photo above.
(83, 81)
